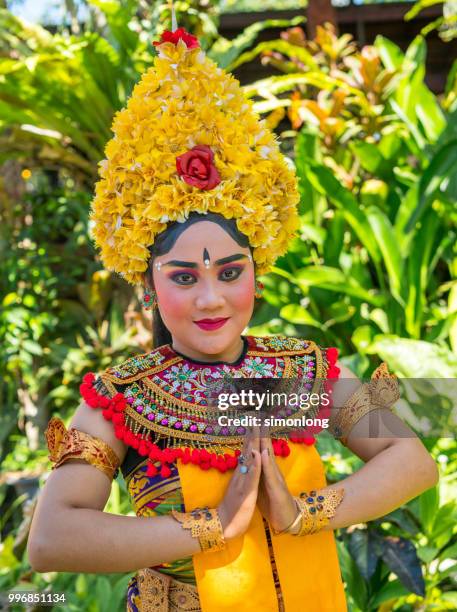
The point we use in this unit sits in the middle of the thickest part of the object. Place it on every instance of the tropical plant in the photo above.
(58, 93)
(446, 25)
(405, 560)
(376, 155)
(60, 314)
(372, 271)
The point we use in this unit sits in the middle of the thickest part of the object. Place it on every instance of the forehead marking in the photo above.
(206, 258)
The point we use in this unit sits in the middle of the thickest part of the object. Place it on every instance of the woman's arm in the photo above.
(71, 533)
(397, 467)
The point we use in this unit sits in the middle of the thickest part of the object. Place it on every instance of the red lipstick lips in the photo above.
(211, 324)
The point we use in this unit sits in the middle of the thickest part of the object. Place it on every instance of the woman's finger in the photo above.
(247, 443)
(253, 475)
(268, 466)
(245, 457)
(255, 438)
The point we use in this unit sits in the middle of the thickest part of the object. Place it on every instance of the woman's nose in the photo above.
(210, 297)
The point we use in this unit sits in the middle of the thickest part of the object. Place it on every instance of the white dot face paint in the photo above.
(206, 262)
(158, 265)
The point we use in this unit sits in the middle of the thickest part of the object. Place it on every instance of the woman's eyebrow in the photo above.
(181, 264)
(193, 264)
(230, 258)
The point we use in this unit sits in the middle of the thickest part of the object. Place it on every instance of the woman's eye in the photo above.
(184, 278)
(231, 273)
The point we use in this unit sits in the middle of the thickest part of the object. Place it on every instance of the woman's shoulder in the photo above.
(280, 344)
(303, 352)
(136, 367)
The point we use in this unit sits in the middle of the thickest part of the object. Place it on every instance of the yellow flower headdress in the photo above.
(188, 140)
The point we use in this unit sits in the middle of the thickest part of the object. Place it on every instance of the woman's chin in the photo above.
(215, 343)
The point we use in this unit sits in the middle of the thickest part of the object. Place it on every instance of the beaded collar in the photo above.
(161, 396)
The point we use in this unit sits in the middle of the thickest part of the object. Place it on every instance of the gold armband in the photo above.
(381, 392)
(205, 525)
(66, 444)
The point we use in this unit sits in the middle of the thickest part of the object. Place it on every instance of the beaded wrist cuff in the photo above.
(205, 525)
(316, 509)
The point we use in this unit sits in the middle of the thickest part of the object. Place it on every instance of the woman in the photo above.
(195, 199)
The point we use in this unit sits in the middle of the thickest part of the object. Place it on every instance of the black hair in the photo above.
(166, 240)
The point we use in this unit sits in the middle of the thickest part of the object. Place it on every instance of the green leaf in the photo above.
(326, 183)
(441, 168)
(444, 521)
(32, 347)
(427, 553)
(363, 549)
(414, 358)
(393, 590)
(449, 553)
(418, 271)
(428, 507)
(404, 518)
(355, 583)
(312, 233)
(306, 149)
(294, 313)
(81, 586)
(362, 338)
(335, 280)
(391, 55)
(419, 6)
(278, 46)
(400, 556)
(368, 154)
(103, 592)
(224, 52)
(278, 84)
(451, 79)
(388, 246)
(119, 590)
(357, 363)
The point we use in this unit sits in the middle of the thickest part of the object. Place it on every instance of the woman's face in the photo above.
(205, 291)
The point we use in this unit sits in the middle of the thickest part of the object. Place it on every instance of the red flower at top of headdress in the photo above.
(173, 37)
(196, 168)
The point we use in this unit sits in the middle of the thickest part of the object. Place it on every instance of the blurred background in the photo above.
(363, 97)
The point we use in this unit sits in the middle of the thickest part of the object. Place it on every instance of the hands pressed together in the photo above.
(262, 485)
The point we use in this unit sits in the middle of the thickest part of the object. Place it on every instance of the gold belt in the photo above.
(161, 593)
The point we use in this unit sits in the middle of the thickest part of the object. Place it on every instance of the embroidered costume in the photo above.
(156, 403)
(176, 461)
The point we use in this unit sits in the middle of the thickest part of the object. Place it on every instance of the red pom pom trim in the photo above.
(113, 410)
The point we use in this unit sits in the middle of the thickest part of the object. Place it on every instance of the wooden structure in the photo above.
(364, 22)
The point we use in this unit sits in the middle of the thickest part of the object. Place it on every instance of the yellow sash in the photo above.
(240, 576)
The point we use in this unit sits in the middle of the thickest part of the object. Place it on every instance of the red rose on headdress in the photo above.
(173, 37)
(196, 168)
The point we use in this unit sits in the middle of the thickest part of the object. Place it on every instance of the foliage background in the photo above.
(373, 270)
